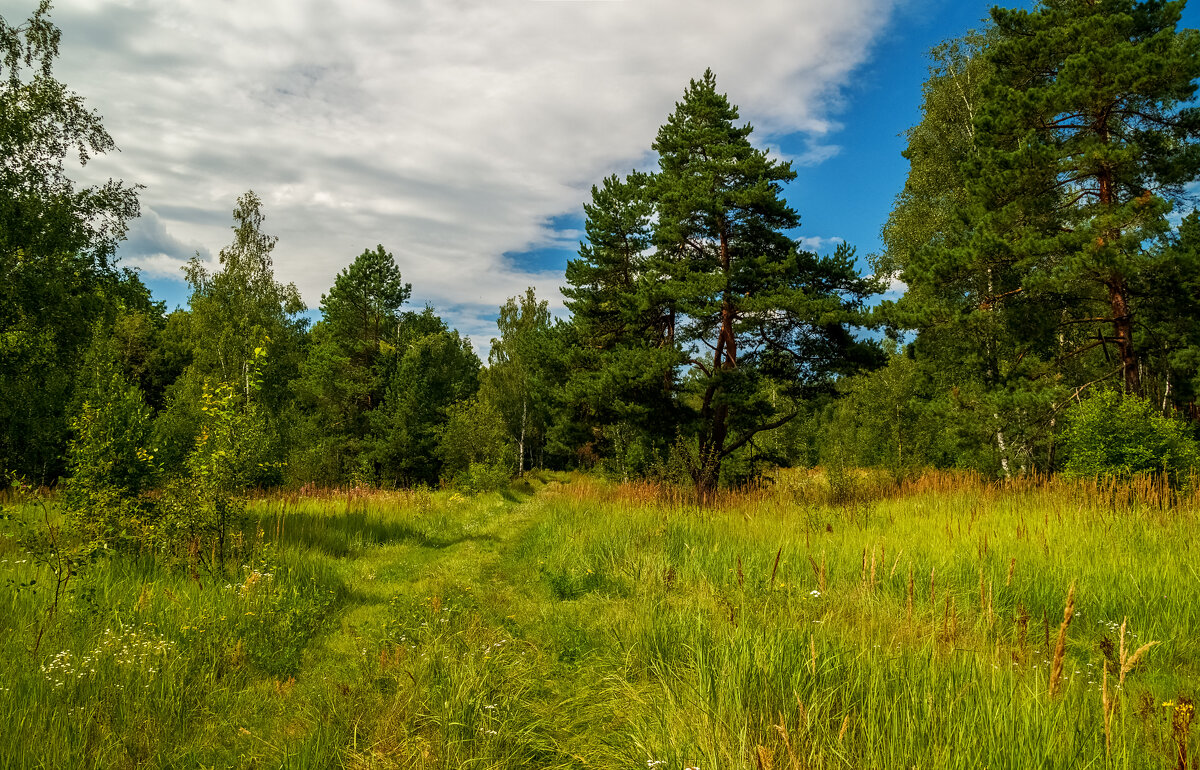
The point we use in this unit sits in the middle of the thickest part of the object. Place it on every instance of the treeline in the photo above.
(1034, 236)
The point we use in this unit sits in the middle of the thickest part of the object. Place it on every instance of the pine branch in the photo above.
(736, 445)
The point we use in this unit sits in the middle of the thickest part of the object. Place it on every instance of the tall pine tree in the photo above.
(1085, 136)
(697, 261)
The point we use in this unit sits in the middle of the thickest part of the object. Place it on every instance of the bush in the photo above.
(1110, 434)
(482, 477)
(108, 457)
(202, 509)
(475, 455)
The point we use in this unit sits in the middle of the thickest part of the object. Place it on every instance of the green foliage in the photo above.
(56, 246)
(110, 458)
(28, 521)
(351, 355)
(233, 313)
(882, 419)
(1110, 434)
(1029, 232)
(483, 477)
(177, 424)
(925, 215)
(435, 371)
(630, 454)
(42, 214)
(230, 454)
(1170, 341)
(152, 350)
(1078, 166)
(726, 304)
(524, 367)
(474, 448)
(241, 307)
(622, 366)
(363, 306)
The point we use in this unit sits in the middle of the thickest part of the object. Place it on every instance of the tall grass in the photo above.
(920, 622)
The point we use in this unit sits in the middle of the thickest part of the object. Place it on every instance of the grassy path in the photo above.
(428, 640)
(421, 568)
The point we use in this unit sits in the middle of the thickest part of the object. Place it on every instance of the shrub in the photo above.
(1110, 434)
(108, 457)
(230, 453)
(475, 455)
(483, 477)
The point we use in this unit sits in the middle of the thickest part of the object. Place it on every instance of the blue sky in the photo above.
(464, 136)
(851, 194)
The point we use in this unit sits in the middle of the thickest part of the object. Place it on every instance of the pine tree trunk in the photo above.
(712, 440)
(1118, 295)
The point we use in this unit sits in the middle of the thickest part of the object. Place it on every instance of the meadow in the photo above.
(812, 622)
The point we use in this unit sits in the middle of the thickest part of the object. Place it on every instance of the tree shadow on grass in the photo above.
(347, 533)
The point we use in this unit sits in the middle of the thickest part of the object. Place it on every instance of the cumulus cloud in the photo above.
(894, 288)
(451, 131)
(819, 243)
(150, 248)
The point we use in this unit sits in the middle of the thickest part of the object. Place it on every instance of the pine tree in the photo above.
(976, 358)
(1086, 136)
(624, 369)
(363, 306)
(1051, 149)
(725, 291)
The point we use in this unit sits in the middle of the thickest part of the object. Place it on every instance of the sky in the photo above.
(464, 135)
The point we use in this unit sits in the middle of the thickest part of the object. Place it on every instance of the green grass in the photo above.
(576, 623)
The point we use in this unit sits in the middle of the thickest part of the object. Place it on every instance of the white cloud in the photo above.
(894, 287)
(820, 243)
(450, 131)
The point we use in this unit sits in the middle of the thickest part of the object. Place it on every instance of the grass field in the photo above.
(572, 622)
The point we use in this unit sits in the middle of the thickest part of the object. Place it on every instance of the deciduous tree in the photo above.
(56, 246)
